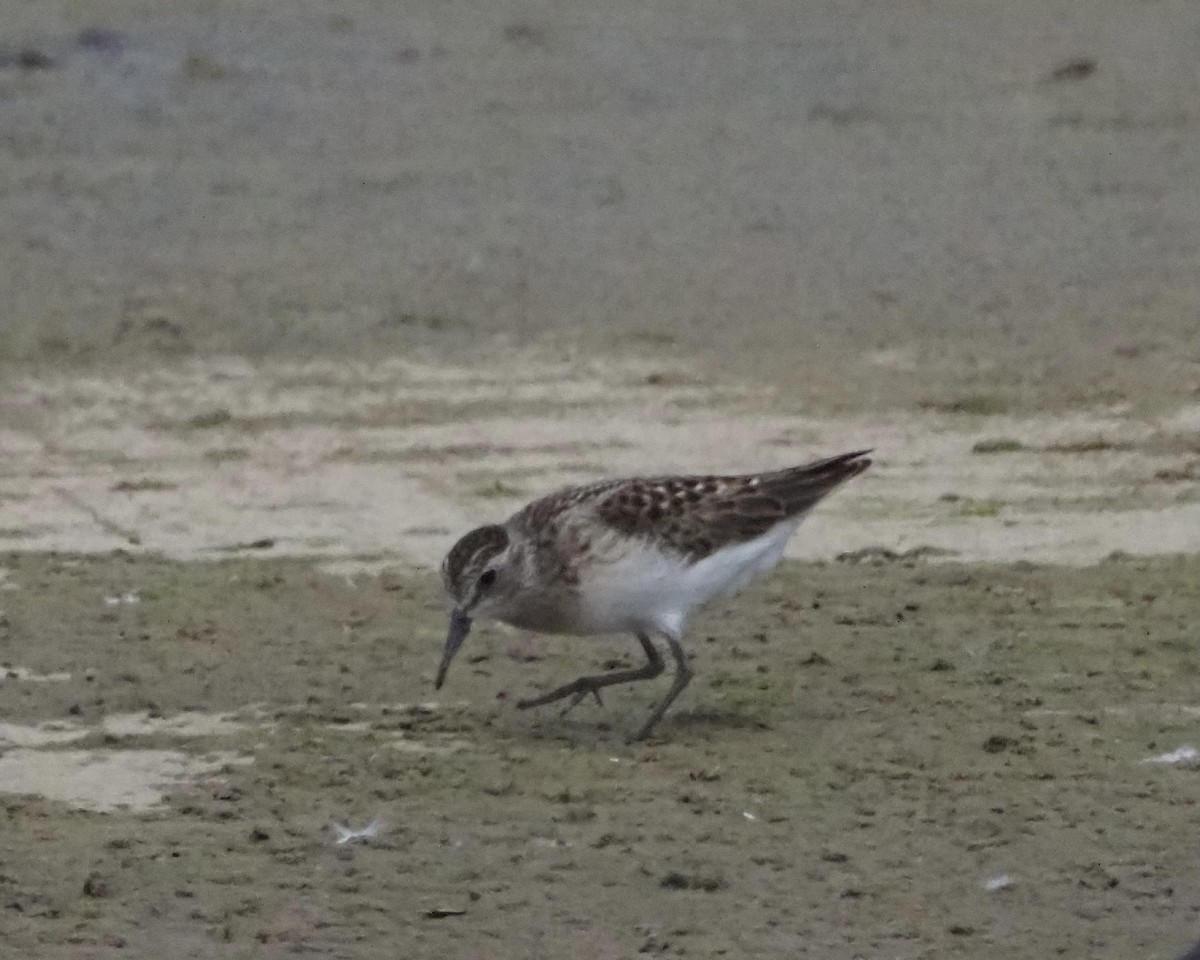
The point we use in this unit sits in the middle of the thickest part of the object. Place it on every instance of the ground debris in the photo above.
(369, 832)
(674, 880)
(95, 885)
(440, 913)
(880, 555)
(262, 543)
(1182, 755)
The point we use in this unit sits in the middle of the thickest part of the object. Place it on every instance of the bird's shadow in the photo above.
(715, 718)
(580, 729)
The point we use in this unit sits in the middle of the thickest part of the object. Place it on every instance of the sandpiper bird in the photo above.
(635, 555)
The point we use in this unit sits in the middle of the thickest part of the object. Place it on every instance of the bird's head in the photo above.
(481, 576)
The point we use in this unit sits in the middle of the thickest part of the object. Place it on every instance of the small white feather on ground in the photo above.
(1175, 756)
(369, 832)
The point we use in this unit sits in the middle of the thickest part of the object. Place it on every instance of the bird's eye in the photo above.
(487, 578)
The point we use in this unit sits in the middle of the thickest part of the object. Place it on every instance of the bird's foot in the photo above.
(594, 691)
(576, 690)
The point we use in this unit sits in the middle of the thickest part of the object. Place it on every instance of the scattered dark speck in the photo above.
(525, 34)
(211, 418)
(1078, 69)
(101, 39)
(263, 543)
(95, 886)
(27, 58)
(682, 881)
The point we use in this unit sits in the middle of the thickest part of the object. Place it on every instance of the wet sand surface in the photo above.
(865, 746)
(868, 208)
(219, 618)
(362, 463)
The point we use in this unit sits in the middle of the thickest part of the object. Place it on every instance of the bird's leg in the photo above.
(580, 688)
(683, 675)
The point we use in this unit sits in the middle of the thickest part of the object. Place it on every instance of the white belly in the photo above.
(644, 589)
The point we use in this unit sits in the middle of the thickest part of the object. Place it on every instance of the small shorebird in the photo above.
(636, 556)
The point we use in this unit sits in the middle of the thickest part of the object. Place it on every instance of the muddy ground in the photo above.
(219, 617)
(864, 747)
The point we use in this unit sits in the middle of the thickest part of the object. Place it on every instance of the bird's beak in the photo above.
(460, 626)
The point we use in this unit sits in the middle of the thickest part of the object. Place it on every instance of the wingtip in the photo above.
(857, 461)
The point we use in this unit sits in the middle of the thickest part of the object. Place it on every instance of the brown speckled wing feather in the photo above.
(698, 515)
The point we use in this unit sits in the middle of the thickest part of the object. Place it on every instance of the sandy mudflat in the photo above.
(863, 749)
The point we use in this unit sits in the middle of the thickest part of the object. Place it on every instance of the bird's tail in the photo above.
(799, 488)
